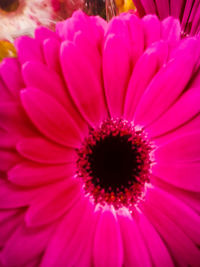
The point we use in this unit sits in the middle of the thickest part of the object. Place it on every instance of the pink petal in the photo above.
(108, 250)
(51, 49)
(171, 29)
(183, 148)
(14, 120)
(157, 248)
(66, 245)
(149, 6)
(13, 82)
(152, 29)
(8, 159)
(24, 245)
(191, 199)
(186, 254)
(182, 175)
(28, 49)
(50, 117)
(5, 94)
(116, 71)
(39, 76)
(162, 8)
(12, 196)
(182, 215)
(43, 151)
(173, 118)
(53, 203)
(8, 227)
(135, 250)
(42, 33)
(150, 62)
(34, 174)
(175, 8)
(83, 83)
(165, 88)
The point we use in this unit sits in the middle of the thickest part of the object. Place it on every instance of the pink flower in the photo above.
(100, 146)
(188, 12)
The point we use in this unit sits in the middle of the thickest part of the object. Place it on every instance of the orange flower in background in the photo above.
(7, 49)
(125, 5)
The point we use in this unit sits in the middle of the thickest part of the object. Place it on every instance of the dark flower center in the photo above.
(9, 5)
(114, 163)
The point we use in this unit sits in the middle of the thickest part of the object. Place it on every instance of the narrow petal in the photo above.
(53, 203)
(108, 250)
(62, 244)
(34, 174)
(39, 76)
(19, 248)
(83, 83)
(171, 29)
(157, 248)
(165, 88)
(135, 250)
(51, 50)
(50, 117)
(28, 49)
(42, 151)
(42, 33)
(152, 29)
(12, 196)
(186, 254)
(173, 118)
(185, 175)
(116, 71)
(13, 82)
(8, 159)
(183, 148)
(182, 215)
(162, 8)
(150, 63)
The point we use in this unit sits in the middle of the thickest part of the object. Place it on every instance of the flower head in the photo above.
(100, 145)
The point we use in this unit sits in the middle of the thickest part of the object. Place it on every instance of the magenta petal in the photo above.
(157, 248)
(8, 226)
(152, 29)
(135, 250)
(33, 174)
(28, 49)
(42, 151)
(171, 29)
(39, 76)
(173, 118)
(186, 254)
(83, 83)
(13, 82)
(8, 159)
(67, 242)
(162, 8)
(12, 196)
(42, 33)
(19, 248)
(183, 148)
(177, 211)
(51, 50)
(108, 250)
(116, 71)
(50, 117)
(53, 203)
(165, 88)
(182, 175)
(150, 62)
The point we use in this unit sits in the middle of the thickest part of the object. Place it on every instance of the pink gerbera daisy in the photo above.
(100, 146)
(187, 11)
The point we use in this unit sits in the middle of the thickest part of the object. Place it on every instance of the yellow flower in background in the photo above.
(7, 49)
(125, 5)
